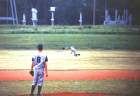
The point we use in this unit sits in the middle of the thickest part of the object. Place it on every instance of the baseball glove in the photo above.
(31, 72)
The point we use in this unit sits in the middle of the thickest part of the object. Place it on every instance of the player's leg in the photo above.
(75, 53)
(40, 82)
(34, 82)
(39, 90)
(32, 90)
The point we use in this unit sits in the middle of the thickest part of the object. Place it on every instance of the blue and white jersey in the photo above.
(38, 60)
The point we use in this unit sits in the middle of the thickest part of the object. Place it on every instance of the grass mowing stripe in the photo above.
(58, 41)
(86, 29)
(123, 87)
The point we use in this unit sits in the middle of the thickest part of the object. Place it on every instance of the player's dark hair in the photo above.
(39, 46)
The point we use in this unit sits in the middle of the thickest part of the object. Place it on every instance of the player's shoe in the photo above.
(31, 95)
(39, 95)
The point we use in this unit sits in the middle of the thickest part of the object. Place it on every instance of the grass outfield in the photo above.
(80, 41)
(119, 87)
(64, 29)
(57, 37)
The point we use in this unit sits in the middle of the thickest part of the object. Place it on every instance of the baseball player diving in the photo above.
(38, 68)
(74, 51)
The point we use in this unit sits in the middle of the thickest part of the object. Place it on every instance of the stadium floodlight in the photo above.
(52, 9)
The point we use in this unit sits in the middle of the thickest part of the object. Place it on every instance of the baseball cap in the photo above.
(40, 46)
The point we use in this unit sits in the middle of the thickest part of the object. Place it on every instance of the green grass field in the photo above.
(17, 45)
(87, 37)
(64, 29)
(118, 87)
(80, 41)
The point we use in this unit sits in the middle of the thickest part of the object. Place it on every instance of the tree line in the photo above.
(68, 11)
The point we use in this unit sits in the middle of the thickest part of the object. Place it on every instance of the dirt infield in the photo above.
(75, 75)
(74, 94)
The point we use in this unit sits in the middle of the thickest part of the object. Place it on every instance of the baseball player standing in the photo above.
(39, 64)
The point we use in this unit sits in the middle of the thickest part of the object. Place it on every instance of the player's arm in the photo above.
(32, 65)
(31, 71)
(46, 67)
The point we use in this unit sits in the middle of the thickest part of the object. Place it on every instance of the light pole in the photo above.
(24, 19)
(80, 19)
(52, 9)
(94, 12)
